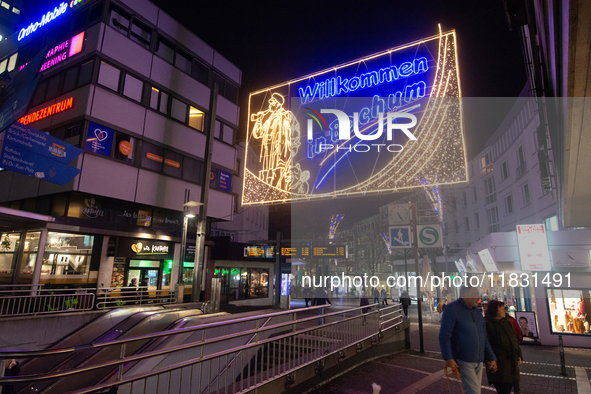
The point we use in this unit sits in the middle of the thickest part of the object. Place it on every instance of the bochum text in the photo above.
(336, 86)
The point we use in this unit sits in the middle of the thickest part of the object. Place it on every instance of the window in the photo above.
(489, 190)
(452, 202)
(124, 148)
(183, 62)
(39, 96)
(133, 88)
(521, 167)
(492, 215)
(196, 118)
(12, 62)
(509, 204)
(486, 164)
(86, 71)
(526, 197)
(109, 76)
(6, 5)
(141, 34)
(3, 65)
(192, 170)
(173, 163)
(178, 110)
(467, 223)
(70, 133)
(65, 255)
(16, 10)
(200, 72)
(152, 156)
(464, 199)
(217, 133)
(475, 195)
(53, 87)
(119, 20)
(504, 171)
(456, 227)
(70, 80)
(228, 136)
(165, 51)
(551, 223)
(477, 220)
(159, 101)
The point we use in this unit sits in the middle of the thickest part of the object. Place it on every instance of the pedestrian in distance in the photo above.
(405, 301)
(364, 301)
(384, 296)
(505, 345)
(515, 325)
(13, 368)
(132, 293)
(307, 295)
(376, 295)
(144, 295)
(321, 298)
(463, 341)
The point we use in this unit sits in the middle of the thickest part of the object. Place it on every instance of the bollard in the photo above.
(562, 364)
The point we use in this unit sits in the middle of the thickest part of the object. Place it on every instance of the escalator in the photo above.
(138, 321)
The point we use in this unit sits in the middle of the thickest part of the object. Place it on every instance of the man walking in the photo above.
(463, 341)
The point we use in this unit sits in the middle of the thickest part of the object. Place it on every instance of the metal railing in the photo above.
(116, 297)
(276, 350)
(22, 300)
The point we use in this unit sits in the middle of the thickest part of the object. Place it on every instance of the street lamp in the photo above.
(188, 212)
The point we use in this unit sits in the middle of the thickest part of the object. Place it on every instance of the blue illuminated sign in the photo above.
(45, 19)
(338, 86)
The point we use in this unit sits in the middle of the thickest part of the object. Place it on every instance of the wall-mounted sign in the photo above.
(267, 252)
(533, 247)
(314, 251)
(527, 324)
(48, 111)
(460, 266)
(225, 181)
(471, 263)
(488, 261)
(63, 51)
(130, 247)
(570, 258)
(99, 139)
(371, 125)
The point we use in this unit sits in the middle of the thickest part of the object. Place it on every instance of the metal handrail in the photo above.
(123, 360)
(42, 353)
(30, 301)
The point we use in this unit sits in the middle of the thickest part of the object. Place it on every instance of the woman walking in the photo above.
(505, 345)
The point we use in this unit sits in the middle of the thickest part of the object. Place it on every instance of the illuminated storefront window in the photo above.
(9, 243)
(569, 310)
(66, 258)
(243, 283)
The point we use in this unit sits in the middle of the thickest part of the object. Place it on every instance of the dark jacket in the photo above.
(503, 341)
(516, 328)
(364, 302)
(462, 335)
(14, 371)
(404, 298)
(320, 297)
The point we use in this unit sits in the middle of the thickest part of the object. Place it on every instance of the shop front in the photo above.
(245, 283)
(143, 258)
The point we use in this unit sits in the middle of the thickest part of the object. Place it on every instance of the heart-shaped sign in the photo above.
(100, 134)
(89, 202)
(137, 247)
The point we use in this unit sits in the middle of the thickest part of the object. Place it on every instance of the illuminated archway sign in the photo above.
(376, 124)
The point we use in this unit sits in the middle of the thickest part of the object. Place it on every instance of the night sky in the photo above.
(275, 41)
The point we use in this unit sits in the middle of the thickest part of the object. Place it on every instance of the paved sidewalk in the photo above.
(413, 372)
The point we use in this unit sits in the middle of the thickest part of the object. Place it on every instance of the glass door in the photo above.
(141, 269)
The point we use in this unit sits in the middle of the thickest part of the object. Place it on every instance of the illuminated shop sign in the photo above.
(54, 109)
(45, 19)
(381, 123)
(142, 248)
(63, 51)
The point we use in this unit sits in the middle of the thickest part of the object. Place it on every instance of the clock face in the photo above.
(399, 214)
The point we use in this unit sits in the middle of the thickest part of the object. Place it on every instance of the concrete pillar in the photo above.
(106, 266)
(39, 260)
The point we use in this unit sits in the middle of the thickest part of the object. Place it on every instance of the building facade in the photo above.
(134, 90)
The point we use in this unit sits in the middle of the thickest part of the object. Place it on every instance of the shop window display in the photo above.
(8, 247)
(243, 283)
(569, 310)
(66, 256)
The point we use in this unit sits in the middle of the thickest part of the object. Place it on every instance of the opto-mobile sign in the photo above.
(46, 18)
(533, 247)
(381, 123)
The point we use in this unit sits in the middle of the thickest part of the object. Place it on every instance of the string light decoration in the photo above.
(295, 168)
(335, 220)
(386, 239)
(433, 193)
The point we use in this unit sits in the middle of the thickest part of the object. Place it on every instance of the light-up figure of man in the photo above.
(274, 127)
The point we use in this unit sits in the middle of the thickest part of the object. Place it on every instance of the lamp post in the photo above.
(187, 214)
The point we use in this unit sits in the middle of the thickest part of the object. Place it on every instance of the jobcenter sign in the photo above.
(381, 123)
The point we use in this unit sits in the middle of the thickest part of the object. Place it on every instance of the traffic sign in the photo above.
(400, 237)
(26, 162)
(429, 236)
(19, 136)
